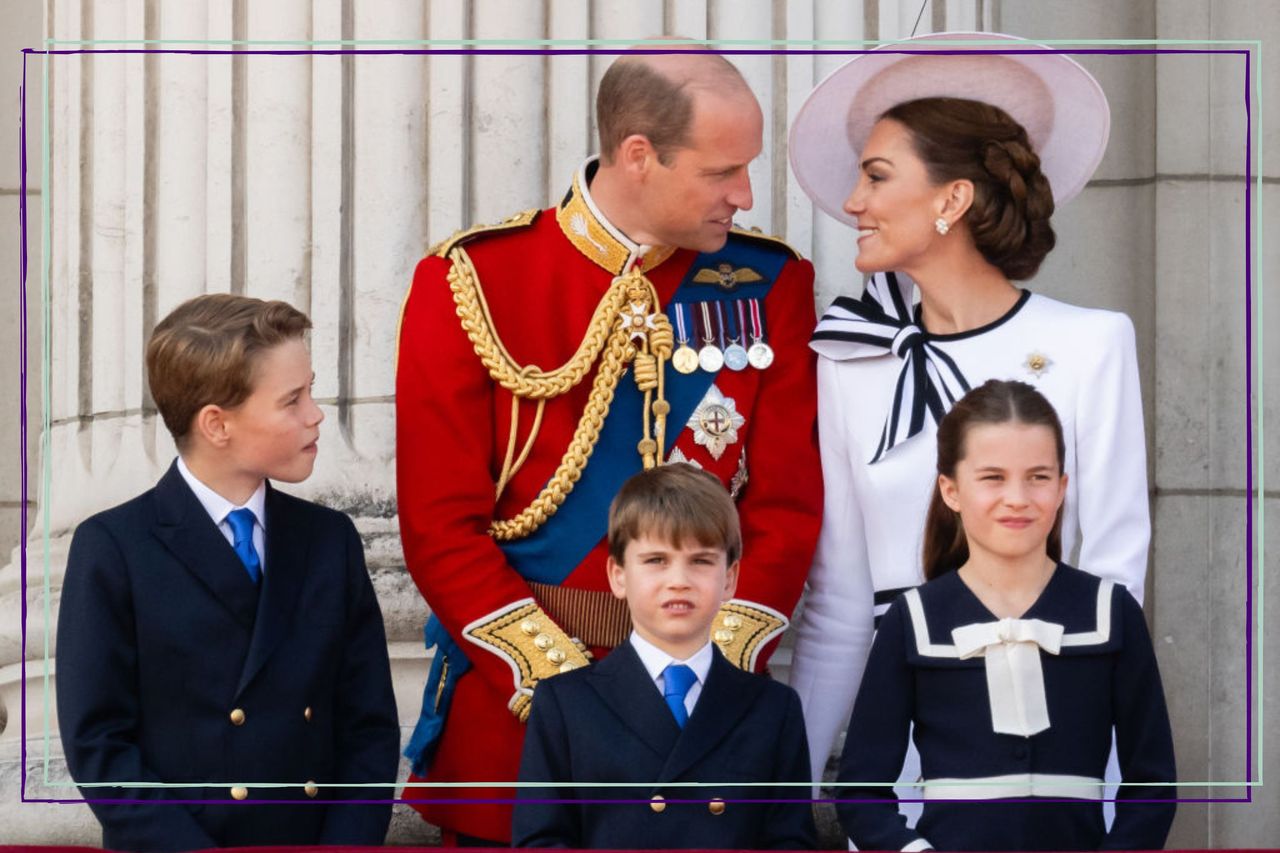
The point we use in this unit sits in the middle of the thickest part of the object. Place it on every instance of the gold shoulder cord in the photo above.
(627, 325)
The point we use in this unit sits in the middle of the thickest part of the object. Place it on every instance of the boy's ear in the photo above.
(210, 425)
(617, 578)
(731, 580)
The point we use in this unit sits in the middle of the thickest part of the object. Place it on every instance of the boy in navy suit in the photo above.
(666, 707)
(217, 633)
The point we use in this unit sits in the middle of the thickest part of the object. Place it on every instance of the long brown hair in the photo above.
(996, 401)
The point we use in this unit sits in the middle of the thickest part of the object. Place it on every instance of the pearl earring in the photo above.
(941, 225)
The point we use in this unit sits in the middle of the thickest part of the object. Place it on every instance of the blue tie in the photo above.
(677, 679)
(241, 521)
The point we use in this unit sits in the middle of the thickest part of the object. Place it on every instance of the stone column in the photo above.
(1200, 514)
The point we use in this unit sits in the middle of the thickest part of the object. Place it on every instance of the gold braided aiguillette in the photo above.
(606, 339)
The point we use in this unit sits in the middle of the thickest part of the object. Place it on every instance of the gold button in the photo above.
(237, 717)
(722, 636)
(529, 627)
(556, 656)
(658, 804)
(543, 642)
(567, 666)
(311, 788)
(716, 806)
(733, 621)
(239, 793)
(306, 713)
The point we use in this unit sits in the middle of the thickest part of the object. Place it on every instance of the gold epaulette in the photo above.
(522, 219)
(754, 233)
(741, 628)
(534, 646)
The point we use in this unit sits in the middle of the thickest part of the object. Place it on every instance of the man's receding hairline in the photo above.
(715, 69)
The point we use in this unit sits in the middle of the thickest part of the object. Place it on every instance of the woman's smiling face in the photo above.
(894, 200)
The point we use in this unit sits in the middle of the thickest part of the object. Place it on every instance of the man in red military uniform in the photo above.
(545, 359)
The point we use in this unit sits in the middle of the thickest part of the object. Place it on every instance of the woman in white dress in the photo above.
(949, 163)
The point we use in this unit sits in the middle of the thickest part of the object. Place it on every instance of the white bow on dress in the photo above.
(1015, 679)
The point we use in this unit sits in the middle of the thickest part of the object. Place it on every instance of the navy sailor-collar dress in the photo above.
(1013, 722)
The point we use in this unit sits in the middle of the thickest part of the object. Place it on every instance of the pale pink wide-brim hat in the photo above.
(1061, 105)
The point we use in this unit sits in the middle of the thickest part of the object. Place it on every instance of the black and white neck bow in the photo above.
(881, 322)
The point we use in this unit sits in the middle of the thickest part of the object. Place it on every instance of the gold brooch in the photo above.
(1037, 364)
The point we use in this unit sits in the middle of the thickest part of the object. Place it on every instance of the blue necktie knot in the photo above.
(242, 521)
(676, 681)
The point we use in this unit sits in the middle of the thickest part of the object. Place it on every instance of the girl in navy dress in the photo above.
(1012, 665)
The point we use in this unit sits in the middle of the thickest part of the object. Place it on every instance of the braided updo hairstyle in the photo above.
(1012, 201)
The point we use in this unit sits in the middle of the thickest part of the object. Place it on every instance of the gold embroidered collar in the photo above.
(597, 238)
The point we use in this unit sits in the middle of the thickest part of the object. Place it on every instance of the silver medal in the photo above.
(760, 355)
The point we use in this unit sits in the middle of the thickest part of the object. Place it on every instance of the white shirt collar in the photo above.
(655, 660)
(635, 250)
(217, 506)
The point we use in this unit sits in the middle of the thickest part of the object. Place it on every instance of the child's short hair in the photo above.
(205, 350)
(676, 502)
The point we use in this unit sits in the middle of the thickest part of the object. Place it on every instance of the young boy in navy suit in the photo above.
(666, 707)
(220, 635)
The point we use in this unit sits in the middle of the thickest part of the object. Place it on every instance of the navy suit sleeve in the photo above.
(545, 759)
(98, 704)
(367, 747)
(877, 741)
(1144, 741)
(790, 824)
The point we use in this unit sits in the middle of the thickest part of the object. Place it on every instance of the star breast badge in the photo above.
(1037, 364)
(716, 421)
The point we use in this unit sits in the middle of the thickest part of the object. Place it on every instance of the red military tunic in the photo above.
(542, 281)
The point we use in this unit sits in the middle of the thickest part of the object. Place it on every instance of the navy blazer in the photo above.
(608, 723)
(173, 666)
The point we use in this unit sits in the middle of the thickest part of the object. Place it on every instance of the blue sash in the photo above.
(554, 550)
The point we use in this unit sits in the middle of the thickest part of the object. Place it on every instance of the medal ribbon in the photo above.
(708, 337)
(757, 321)
(735, 323)
(720, 324)
(678, 308)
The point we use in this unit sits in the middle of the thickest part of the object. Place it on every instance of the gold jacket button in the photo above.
(239, 792)
(237, 717)
(306, 713)
(658, 804)
(311, 788)
(543, 642)
(716, 806)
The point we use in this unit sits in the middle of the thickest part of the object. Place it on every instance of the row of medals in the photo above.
(712, 358)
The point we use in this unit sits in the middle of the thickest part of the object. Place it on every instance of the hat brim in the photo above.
(1061, 105)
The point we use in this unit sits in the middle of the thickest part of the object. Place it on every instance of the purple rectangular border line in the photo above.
(1248, 241)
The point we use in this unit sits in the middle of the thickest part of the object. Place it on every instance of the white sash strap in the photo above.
(1015, 785)
(1015, 679)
